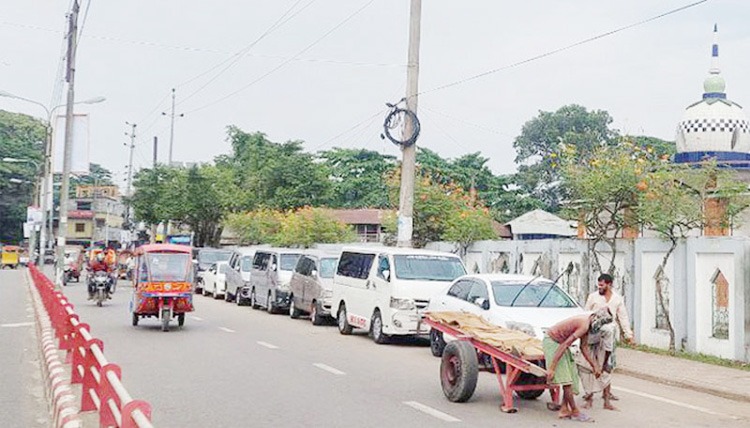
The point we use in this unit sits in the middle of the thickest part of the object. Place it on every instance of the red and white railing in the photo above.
(102, 389)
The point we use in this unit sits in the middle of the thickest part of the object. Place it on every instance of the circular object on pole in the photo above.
(396, 120)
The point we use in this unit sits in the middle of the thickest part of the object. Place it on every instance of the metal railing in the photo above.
(102, 388)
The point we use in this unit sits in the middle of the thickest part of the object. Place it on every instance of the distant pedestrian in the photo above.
(602, 345)
(561, 367)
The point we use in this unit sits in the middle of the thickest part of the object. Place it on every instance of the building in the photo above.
(367, 222)
(95, 216)
(539, 224)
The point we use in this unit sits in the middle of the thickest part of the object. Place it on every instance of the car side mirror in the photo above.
(482, 303)
(314, 273)
(387, 275)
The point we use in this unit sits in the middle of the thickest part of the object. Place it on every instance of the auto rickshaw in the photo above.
(162, 283)
(10, 256)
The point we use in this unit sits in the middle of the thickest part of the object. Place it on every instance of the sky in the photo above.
(324, 75)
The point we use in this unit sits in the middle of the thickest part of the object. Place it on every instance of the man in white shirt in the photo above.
(603, 346)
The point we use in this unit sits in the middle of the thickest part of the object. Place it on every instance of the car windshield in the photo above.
(506, 291)
(169, 267)
(210, 257)
(289, 261)
(327, 267)
(428, 267)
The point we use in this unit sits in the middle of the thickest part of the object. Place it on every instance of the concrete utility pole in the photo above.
(68, 150)
(409, 153)
(156, 148)
(171, 130)
(130, 167)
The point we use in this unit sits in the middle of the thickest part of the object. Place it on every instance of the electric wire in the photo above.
(232, 61)
(83, 23)
(564, 48)
(464, 121)
(283, 64)
(348, 130)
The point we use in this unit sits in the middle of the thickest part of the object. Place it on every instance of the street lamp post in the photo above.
(46, 175)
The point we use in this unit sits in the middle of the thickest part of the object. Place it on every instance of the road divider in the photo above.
(329, 369)
(101, 386)
(430, 411)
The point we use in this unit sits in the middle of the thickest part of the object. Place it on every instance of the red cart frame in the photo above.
(514, 366)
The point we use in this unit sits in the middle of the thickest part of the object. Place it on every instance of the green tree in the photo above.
(539, 146)
(357, 177)
(21, 137)
(255, 227)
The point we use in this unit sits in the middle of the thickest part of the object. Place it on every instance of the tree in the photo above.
(538, 148)
(357, 177)
(21, 137)
(255, 227)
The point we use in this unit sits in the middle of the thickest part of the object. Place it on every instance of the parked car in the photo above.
(385, 290)
(269, 279)
(215, 280)
(238, 275)
(205, 258)
(518, 302)
(312, 286)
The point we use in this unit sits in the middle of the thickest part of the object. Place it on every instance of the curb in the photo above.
(687, 385)
(64, 412)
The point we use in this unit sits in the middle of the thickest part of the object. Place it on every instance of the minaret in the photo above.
(714, 85)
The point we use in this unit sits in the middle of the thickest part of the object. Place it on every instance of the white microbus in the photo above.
(385, 290)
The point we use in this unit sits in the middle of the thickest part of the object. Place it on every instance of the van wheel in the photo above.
(437, 343)
(376, 329)
(343, 323)
(238, 298)
(294, 313)
(270, 307)
(315, 316)
(228, 296)
(254, 300)
(459, 371)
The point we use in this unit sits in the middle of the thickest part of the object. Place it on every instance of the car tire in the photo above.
(270, 307)
(343, 324)
(238, 298)
(459, 371)
(254, 300)
(376, 329)
(315, 316)
(203, 292)
(294, 313)
(228, 296)
(437, 343)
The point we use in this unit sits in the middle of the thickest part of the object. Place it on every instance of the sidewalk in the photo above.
(716, 380)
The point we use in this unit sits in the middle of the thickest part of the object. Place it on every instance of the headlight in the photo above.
(522, 327)
(403, 304)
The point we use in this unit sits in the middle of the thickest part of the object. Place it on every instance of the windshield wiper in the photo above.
(513, 302)
(568, 270)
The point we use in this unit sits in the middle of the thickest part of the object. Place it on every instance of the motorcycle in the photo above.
(101, 284)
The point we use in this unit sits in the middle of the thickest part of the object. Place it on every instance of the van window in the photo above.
(428, 267)
(355, 265)
(460, 290)
(288, 261)
(327, 267)
(260, 262)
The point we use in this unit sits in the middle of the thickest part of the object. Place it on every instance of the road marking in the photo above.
(196, 318)
(675, 403)
(267, 345)
(329, 369)
(228, 330)
(432, 412)
(17, 324)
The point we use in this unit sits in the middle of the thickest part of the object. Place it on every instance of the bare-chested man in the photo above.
(561, 368)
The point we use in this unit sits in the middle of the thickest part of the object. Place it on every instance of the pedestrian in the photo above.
(602, 345)
(561, 367)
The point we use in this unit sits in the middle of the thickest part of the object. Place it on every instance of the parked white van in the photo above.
(385, 290)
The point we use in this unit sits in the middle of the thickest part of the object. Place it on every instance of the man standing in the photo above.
(561, 368)
(602, 346)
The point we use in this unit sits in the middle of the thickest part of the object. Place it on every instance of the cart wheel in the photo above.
(135, 319)
(459, 371)
(437, 343)
(181, 319)
(530, 379)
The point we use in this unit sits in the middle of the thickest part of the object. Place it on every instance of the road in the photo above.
(21, 394)
(233, 366)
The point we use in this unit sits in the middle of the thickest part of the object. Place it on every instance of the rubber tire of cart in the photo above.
(462, 356)
(530, 379)
(437, 343)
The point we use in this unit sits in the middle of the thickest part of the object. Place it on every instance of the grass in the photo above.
(701, 358)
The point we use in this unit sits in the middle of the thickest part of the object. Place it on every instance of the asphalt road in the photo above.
(234, 366)
(22, 402)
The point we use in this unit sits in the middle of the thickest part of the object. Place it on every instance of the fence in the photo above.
(102, 389)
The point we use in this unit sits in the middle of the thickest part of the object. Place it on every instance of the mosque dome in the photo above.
(714, 127)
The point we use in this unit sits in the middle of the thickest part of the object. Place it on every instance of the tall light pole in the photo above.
(171, 129)
(409, 152)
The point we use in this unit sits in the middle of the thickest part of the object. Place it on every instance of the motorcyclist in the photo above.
(99, 265)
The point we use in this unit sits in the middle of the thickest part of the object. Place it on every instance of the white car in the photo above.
(215, 280)
(519, 302)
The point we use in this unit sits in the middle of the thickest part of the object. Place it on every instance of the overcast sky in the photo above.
(133, 52)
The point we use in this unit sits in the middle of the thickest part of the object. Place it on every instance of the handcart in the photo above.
(460, 366)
